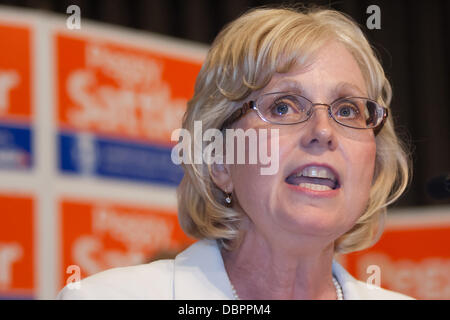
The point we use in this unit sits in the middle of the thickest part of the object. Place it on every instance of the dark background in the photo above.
(413, 44)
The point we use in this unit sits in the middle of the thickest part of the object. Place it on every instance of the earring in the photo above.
(228, 198)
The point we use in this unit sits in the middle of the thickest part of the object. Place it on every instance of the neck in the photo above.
(289, 272)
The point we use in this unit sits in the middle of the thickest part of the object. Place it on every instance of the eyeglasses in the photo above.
(285, 109)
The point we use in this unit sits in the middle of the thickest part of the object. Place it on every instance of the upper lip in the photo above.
(329, 169)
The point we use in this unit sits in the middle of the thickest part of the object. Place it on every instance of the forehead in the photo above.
(333, 70)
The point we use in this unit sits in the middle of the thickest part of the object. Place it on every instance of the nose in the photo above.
(319, 132)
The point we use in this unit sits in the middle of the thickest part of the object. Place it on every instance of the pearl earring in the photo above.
(228, 198)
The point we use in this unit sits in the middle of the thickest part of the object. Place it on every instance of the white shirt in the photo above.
(197, 273)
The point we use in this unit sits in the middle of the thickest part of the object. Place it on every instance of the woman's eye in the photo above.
(347, 111)
(284, 107)
(281, 109)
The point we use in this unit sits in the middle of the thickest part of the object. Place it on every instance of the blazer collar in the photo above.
(351, 288)
(199, 273)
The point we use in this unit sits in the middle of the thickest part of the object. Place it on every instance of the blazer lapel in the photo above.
(199, 273)
(350, 286)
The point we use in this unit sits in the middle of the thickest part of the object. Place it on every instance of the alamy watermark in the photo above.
(374, 20)
(73, 281)
(374, 280)
(228, 148)
(73, 22)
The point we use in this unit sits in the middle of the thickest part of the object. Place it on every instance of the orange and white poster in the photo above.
(104, 102)
(117, 106)
(16, 111)
(412, 257)
(17, 279)
(98, 235)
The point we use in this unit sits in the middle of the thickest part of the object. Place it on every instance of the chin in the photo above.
(315, 221)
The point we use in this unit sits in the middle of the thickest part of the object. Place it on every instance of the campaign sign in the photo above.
(98, 235)
(411, 259)
(87, 154)
(117, 108)
(16, 151)
(16, 247)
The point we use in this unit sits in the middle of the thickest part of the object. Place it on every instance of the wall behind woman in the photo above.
(412, 42)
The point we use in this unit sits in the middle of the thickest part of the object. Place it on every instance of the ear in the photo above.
(221, 175)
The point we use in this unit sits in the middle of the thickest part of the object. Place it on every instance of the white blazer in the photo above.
(197, 273)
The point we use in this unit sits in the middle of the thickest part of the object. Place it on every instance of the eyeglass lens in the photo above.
(289, 108)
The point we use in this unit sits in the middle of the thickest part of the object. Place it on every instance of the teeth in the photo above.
(315, 187)
(317, 172)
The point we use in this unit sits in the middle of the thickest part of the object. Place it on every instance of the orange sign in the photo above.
(15, 73)
(16, 246)
(114, 89)
(97, 236)
(411, 260)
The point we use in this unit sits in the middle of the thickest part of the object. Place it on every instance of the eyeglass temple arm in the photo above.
(235, 116)
(380, 126)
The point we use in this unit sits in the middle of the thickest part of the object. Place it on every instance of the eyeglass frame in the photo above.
(251, 105)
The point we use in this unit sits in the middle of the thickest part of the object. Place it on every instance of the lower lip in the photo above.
(315, 193)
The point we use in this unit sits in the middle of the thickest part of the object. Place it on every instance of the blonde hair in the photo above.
(242, 59)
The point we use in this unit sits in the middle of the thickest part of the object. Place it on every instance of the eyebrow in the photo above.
(343, 87)
(347, 88)
(288, 84)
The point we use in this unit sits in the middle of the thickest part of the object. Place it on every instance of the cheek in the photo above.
(368, 156)
(251, 189)
(361, 165)
(255, 191)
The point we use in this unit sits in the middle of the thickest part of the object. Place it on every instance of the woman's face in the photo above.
(306, 206)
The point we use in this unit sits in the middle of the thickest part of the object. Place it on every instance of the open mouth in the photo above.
(317, 178)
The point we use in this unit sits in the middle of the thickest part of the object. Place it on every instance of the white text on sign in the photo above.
(8, 80)
(9, 254)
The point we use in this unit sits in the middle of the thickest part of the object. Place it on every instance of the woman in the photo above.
(312, 80)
